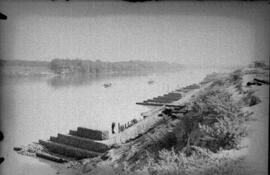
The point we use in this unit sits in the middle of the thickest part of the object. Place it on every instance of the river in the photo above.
(37, 108)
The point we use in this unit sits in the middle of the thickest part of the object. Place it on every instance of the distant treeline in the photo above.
(25, 63)
(66, 66)
(77, 66)
(23, 68)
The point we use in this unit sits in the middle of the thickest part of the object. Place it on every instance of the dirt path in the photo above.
(257, 158)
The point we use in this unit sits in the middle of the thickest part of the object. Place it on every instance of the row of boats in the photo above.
(107, 85)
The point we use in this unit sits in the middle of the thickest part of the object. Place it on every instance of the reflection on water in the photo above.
(37, 108)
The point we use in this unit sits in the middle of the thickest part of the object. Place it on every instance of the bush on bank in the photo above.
(214, 123)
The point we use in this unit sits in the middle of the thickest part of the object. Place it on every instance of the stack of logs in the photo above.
(162, 100)
(79, 144)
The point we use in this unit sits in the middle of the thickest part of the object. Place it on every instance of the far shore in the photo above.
(66, 67)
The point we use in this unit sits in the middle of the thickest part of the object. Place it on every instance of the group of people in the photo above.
(124, 126)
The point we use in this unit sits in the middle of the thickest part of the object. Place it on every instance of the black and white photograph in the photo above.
(134, 87)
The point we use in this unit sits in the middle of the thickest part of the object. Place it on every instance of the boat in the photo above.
(106, 85)
(150, 82)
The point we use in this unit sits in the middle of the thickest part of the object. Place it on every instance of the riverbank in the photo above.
(214, 136)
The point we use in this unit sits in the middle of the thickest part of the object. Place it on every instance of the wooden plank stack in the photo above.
(79, 144)
(162, 100)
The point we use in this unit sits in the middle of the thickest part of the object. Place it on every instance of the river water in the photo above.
(37, 108)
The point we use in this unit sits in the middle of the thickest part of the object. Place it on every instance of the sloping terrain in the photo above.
(223, 132)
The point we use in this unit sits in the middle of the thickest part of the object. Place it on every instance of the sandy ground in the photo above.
(257, 157)
(255, 146)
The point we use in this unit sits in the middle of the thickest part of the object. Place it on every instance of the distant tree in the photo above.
(96, 67)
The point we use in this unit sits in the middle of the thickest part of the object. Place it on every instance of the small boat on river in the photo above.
(150, 82)
(106, 85)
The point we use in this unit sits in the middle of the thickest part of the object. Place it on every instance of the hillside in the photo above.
(223, 132)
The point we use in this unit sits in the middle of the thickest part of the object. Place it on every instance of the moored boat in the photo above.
(106, 85)
(150, 82)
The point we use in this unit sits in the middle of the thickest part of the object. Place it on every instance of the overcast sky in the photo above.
(206, 33)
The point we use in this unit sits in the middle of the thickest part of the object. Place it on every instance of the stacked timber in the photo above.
(162, 100)
(188, 88)
(90, 133)
(79, 144)
(50, 157)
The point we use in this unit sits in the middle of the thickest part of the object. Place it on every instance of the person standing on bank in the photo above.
(113, 125)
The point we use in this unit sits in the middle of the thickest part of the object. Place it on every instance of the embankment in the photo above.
(218, 135)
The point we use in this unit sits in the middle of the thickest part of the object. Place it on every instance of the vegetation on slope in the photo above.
(188, 143)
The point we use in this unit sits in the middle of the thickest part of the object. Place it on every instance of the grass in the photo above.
(215, 123)
(190, 143)
(201, 162)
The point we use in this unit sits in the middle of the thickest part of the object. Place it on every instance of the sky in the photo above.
(202, 33)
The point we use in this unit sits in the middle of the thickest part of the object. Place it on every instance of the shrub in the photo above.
(249, 99)
(170, 162)
(259, 64)
(236, 79)
(217, 83)
(210, 77)
(215, 122)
